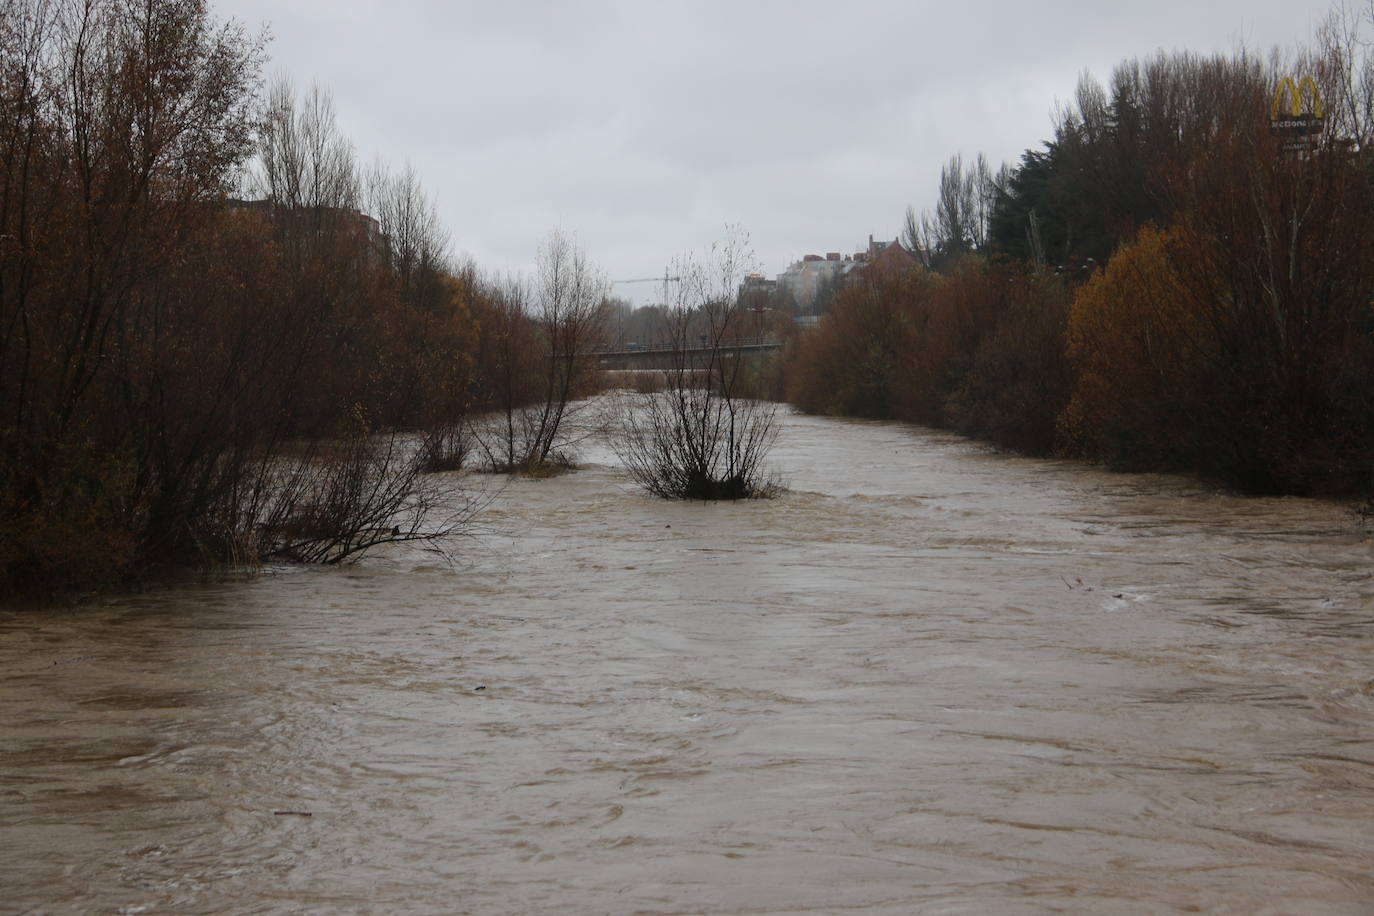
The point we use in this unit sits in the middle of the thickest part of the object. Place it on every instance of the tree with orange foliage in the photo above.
(1133, 339)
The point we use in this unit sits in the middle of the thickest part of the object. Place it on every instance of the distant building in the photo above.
(808, 280)
(889, 255)
(811, 281)
(757, 290)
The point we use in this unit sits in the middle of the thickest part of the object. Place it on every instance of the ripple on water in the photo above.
(930, 678)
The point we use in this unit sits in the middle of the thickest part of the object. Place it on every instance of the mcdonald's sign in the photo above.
(1297, 119)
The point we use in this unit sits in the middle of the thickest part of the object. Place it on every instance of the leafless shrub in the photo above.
(447, 448)
(691, 443)
(644, 382)
(334, 504)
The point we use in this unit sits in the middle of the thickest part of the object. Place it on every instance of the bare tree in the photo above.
(953, 226)
(304, 161)
(702, 437)
(915, 236)
(414, 241)
(559, 320)
(1343, 63)
(963, 211)
(508, 345)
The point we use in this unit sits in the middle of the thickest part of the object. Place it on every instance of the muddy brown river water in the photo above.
(930, 679)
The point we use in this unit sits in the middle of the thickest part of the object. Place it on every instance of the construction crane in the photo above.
(665, 280)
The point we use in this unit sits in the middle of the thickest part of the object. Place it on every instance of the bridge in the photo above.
(670, 357)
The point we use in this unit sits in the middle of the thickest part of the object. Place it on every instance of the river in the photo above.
(931, 678)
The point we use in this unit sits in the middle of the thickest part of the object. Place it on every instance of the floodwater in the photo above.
(930, 679)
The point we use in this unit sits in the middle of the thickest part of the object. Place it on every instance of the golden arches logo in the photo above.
(1296, 92)
(1300, 127)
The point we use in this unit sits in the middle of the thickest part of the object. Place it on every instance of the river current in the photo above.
(930, 678)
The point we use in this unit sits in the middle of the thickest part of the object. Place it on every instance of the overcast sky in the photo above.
(644, 127)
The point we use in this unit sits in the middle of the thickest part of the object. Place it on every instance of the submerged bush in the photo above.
(694, 443)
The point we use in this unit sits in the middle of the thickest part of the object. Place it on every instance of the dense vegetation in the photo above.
(215, 325)
(1167, 284)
